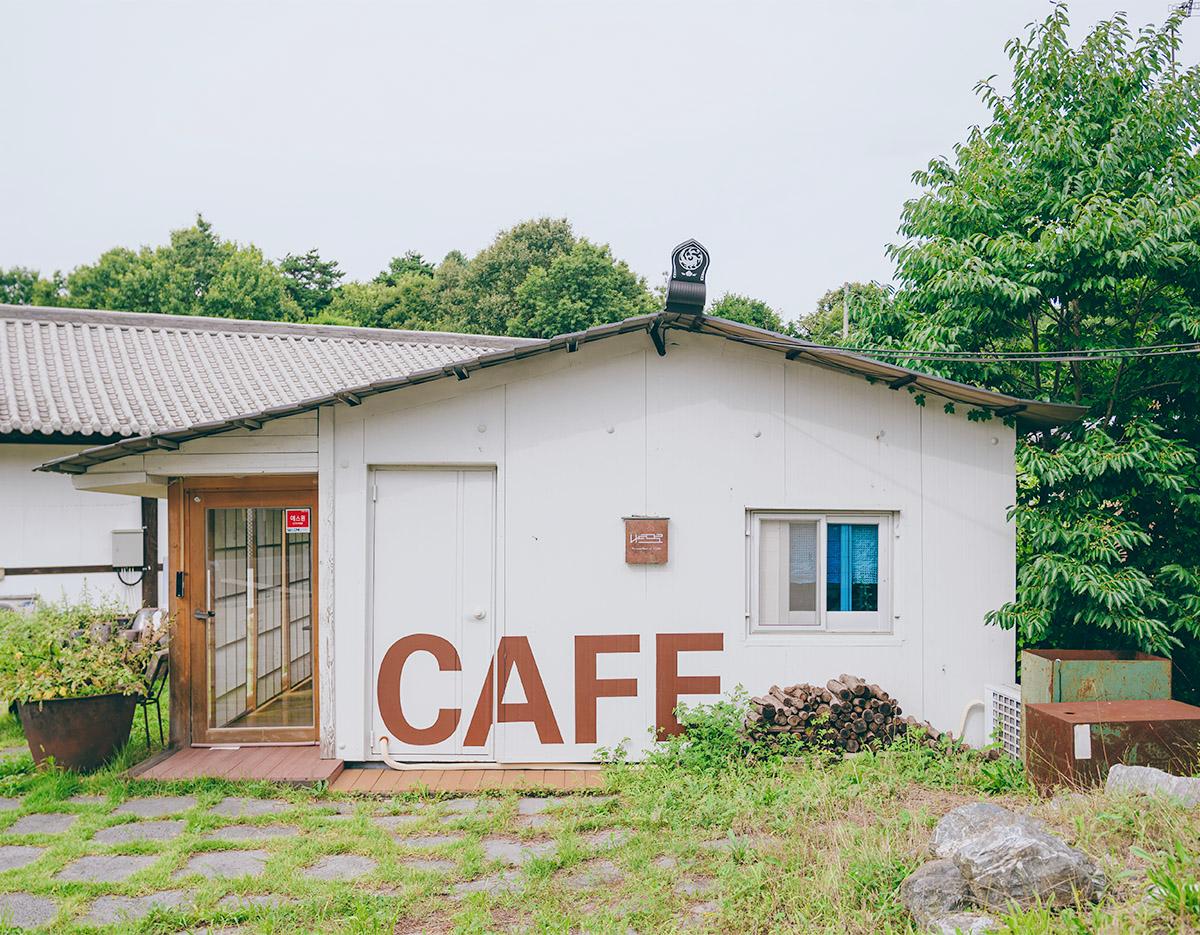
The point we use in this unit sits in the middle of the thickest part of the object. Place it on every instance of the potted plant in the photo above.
(75, 679)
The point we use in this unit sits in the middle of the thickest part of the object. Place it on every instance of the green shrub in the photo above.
(69, 650)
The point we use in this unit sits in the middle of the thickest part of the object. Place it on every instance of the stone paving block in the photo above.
(429, 840)
(512, 851)
(534, 821)
(341, 867)
(140, 831)
(505, 882)
(250, 832)
(9, 752)
(239, 807)
(42, 823)
(464, 806)
(535, 805)
(594, 873)
(108, 910)
(156, 806)
(25, 911)
(428, 864)
(666, 862)
(239, 901)
(213, 864)
(7, 804)
(13, 856)
(609, 837)
(106, 868)
(397, 822)
(695, 886)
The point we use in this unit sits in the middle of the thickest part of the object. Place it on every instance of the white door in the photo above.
(432, 607)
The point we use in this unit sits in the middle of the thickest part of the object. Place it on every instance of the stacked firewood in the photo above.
(846, 714)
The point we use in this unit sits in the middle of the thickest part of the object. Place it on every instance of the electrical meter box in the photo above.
(127, 548)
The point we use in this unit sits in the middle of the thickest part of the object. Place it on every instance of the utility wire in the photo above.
(1076, 356)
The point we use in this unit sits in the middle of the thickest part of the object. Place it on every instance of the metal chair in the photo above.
(157, 673)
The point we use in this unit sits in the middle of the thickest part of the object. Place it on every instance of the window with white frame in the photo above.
(820, 571)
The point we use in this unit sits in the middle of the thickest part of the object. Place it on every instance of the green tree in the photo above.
(411, 262)
(1070, 221)
(580, 288)
(310, 281)
(746, 310)
(869, 303)
(487, 300)
(196, 273)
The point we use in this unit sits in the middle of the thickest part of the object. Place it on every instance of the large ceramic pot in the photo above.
(80, 733)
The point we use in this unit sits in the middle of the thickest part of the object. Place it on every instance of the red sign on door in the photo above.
(296, 521)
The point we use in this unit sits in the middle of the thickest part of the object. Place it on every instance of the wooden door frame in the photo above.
(187, 549)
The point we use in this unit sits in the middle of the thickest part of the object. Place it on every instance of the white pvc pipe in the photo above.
(962, 725)
(468, 764)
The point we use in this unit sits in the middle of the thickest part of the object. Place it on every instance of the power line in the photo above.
(1074, 356)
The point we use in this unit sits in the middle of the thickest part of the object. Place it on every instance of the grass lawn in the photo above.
(798, 847)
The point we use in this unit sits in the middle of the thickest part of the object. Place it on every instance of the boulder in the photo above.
(970, 821)
(1151, 781)
(963, 923)
(934, 890)
(1017, 862)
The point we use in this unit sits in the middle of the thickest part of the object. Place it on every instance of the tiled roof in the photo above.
(118, 374)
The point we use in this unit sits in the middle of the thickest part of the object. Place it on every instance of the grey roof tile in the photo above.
(106, 375)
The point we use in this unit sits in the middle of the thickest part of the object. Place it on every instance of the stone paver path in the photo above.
(140, 831)
(463, 806)
(239, 901)
(397, 822)
(88, 799)
(13, 856)
(7, 804)
(504, 882)
(512, 851)
(594, 873)
(213, 864)
(695, 886)
(25, 911)
(600, 839)
(430, 840)
(157, 806)
(108, 868)
(237, 807)
(341, 867)
(250, 832)
(108, 910)
(42, 823)
(428, 864)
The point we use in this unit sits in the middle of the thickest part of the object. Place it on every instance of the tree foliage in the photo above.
(310, 281)
(746, 310)
(1070, 221)
(869, 303)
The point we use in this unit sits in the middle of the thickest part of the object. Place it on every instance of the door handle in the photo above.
(204, 614)
(479, 613)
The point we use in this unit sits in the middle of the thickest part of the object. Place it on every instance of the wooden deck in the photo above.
(385, 781)
(299, 765)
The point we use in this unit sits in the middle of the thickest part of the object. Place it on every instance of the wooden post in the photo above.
(150, 552)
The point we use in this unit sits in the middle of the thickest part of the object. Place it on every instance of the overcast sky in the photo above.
(780, 134)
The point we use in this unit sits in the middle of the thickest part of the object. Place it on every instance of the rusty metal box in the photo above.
(1053, 675)
(1074, 743)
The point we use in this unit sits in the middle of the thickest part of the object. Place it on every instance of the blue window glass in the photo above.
(852, 567)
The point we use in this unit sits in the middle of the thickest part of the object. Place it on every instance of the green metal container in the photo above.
(1053, 676)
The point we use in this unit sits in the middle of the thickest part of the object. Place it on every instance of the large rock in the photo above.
(1152, 781)
(968, 822)
(963, 923)
(934, 890)
(1014, 862)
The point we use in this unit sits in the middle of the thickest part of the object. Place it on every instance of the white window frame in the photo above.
(874, 622)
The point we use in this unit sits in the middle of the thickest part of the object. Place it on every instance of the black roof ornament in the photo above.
(685, 290)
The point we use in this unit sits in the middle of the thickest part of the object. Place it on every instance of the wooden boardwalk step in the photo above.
(298, 765)
(437, 779)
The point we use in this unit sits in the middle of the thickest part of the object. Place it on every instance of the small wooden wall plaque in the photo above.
(645, 540)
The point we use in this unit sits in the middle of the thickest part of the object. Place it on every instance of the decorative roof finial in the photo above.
(689, 265)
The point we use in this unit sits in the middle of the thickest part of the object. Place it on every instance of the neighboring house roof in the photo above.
(94, 375)
(1030, 414)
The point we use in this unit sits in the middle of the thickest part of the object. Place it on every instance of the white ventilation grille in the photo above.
(1002, 723)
